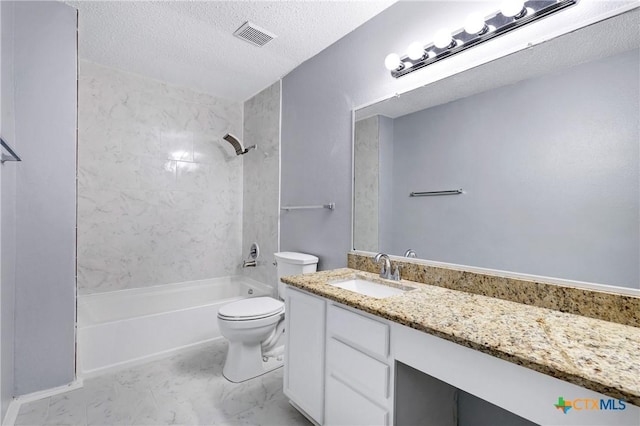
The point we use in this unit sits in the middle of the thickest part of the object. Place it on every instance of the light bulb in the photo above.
(392, 61)
(474, 24)
(512, 8)
(415, 51)
(442, 39)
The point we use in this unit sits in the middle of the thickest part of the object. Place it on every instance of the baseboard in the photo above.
(142, 360)
(15, 404)
(12, 413)
(34, 396)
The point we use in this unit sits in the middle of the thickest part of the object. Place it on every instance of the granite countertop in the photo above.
(598, 355)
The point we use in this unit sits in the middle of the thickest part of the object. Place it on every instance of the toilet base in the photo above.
(245, 362)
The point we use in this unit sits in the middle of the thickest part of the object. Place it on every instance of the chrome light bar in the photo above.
(494, 26)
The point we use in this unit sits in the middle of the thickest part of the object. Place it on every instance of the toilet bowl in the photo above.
(254, 327)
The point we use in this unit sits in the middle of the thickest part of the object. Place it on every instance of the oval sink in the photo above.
(368, 288)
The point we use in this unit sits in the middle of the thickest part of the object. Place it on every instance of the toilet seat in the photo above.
(251, 309)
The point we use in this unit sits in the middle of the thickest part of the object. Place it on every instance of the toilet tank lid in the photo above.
(296, 258)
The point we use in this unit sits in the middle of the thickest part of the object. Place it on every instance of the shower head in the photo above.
(237, 145)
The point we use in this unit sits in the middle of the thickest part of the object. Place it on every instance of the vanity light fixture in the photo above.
(443, 40)
(477, 29)
(513, 8)
(475, 24)
(415, 51)
(392, 61)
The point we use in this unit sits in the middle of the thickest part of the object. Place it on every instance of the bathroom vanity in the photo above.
(477, 175)
(418, 357)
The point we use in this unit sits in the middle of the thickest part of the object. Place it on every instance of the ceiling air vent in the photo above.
(254, 34)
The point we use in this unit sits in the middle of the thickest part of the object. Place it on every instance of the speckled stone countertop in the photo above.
(598, 355)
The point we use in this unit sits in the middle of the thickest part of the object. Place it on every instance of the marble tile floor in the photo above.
(187, 388)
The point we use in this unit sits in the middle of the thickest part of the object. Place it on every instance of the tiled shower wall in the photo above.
(159, 191)
(366, 182)
(262, 181)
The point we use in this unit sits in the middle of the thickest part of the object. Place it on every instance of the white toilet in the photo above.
(254, 327)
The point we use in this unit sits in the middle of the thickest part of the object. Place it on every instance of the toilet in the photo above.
(254, 327)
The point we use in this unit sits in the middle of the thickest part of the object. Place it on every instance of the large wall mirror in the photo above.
(544, 144)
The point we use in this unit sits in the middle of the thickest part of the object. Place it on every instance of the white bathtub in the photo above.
(122, 328)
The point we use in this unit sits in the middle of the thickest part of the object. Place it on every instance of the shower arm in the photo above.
(237, 145)
(249, 148)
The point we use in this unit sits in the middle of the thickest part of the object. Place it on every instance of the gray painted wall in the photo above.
(319, 95)
(550, 169)
(45, 123)
(316, 164)
(317, 100)
(7, 212)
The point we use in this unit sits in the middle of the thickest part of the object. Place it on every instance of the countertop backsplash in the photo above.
(618, 308)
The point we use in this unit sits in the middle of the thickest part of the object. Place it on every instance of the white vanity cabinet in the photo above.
(346, 367)
(337, 366)
(358, 374)
(304, 352)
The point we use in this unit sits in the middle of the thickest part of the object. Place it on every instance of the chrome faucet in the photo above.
(385, 269)
(410, 253)
(254, 250)
(249, 263)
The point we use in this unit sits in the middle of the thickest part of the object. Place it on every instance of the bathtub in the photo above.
(122, 328)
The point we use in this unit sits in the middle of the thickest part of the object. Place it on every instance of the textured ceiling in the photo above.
(191, 43)
(605, 38)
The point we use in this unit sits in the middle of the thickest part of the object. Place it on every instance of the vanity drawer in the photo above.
(345, 406)
(361, 371)
(364, 332)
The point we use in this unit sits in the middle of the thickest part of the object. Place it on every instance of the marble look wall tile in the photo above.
(261, 179)
(366, 184)
(159, 193)
(613, 307)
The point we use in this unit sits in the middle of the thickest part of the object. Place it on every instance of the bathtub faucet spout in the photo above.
(249, 263)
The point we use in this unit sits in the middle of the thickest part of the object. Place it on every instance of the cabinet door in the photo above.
(304, 359)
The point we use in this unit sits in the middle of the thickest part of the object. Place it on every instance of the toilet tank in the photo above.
(292, 263)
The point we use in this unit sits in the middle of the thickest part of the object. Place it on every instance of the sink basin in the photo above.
(368, 288)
